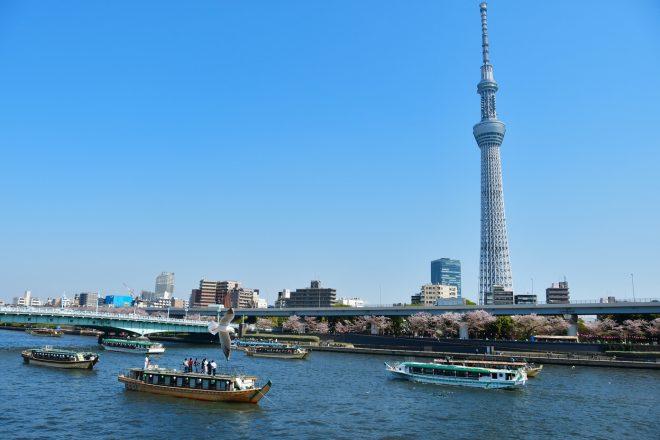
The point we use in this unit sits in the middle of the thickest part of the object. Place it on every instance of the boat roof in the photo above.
(60, 350)
(479, 362)
(450, 367)
(172, 371)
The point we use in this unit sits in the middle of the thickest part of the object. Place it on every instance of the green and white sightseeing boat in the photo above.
(140, 345)
(460, 375)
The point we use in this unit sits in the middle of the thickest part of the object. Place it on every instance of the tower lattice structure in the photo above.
(494, 264)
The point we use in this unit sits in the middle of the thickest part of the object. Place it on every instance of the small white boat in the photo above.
(281, 352)
(468, 376)
(143, 346)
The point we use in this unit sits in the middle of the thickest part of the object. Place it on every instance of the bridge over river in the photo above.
(178, 321)
(134, 323)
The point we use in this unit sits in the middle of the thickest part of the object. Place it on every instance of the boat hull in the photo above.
(239, 396)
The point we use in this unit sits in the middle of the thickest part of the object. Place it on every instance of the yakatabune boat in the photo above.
(532, 370)
(459, 375)
(218, 388)
(282, 352)
(53, 357)
(133, 346)
(45, 332)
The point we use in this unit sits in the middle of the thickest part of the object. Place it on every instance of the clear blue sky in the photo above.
(275, 142)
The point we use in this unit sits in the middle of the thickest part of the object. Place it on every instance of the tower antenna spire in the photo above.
(484, 31)
(494, 265)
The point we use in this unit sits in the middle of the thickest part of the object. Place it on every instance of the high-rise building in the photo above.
(165, 283)
(558, 293)
(430, 293)
(312, 296)
(87, 299)
(448, 272)
(494, 265)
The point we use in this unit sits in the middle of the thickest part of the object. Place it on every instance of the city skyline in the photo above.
(276, 144)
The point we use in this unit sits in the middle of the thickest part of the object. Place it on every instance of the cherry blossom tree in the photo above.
(380, 322)
(556, 325)
(293, 324)
(264, 323)
(342, 327)
(322, 327)
(634, 328)
(420, 323)
(609, 328)
(449, 323)
(528, 325)
(478, 321)
(653, 329)
(358, 325)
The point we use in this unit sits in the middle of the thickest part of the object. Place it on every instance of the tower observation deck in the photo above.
(494, 264)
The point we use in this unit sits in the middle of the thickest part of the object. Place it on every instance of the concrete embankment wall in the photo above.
(558, 359)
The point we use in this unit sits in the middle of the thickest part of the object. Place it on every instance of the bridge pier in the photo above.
(572, 325)
(463, 332)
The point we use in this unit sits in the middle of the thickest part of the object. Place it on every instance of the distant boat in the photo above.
(219, 388)
(45, 332)
(281, 352)
(476, 377)
(53, 357)
(143, 346)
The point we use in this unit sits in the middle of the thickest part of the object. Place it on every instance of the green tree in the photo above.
(503, 327)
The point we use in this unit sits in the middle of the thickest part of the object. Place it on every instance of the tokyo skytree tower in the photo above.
(494, 265)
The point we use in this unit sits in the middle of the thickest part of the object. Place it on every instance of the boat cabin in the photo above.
(177, 379)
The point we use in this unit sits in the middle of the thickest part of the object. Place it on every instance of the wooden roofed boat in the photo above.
(280, 352)
(218, 388)
(45, 332)
(53, 357)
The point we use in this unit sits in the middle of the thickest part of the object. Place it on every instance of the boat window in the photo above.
(168, 380)
(155, 380)
(493, 375)
(192, 383)
(205, 384)
(179, 381)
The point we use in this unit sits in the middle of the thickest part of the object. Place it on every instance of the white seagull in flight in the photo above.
(224, 329)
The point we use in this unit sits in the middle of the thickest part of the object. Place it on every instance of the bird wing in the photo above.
(225, 341)
(228, 317)
(213, 327)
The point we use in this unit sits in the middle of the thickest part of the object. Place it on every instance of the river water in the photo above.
(327, 396)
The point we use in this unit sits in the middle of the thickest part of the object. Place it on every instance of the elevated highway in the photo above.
(646, 306)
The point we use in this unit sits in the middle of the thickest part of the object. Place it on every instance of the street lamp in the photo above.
(632, 280)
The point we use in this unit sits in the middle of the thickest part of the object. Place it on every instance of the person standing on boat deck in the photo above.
(146, 362)
(202, 366)
(185, 365)
(196, 365)
(190, 365)
(213, 367)
(206, 366)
